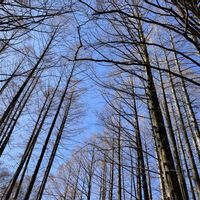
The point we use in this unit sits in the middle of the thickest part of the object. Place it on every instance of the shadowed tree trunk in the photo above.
(55, 147)
(182, 150)
(194, 170)
(141, 164)
(31, 143)
(34, 176)
(172, 186)
(8, 132)
(178, 166)
(192, 115)
(27, 80)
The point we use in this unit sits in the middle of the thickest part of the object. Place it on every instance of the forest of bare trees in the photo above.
(99, 99)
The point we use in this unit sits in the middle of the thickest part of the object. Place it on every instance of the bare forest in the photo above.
(99, 100)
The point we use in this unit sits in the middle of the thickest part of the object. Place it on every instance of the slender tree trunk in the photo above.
(148, 171)
(53, 153)
(138, 178)
(123, 177)
(112, 171)
(90, 175)
(180, 172)
(188, 103)
(104, 172)
(133, 186)
(31, 143)
(34, 176)
(161, 178)
(172, 186)
(27, 80)
(194, 170)
(5, 138)
(183, 154)
(141, 164)
(191, 129)
(119, 161)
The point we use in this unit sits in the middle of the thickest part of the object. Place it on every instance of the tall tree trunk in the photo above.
(8, 132)
(27, 80)
(31, 143)
(194, 170)
(90, 175)
(34, 176)
(133, 186)
(183, 153)
(148, 171)
(104, 172)
(112, 171)
(178, 166)
(141, 163)
(161, 178)
(53, 153)
(123, 178)
(119, 161)
(172, 187)
(188, 102)
(191, 129)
